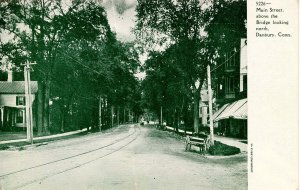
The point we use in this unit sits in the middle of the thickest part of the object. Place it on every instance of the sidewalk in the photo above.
(12, 135)
(225, 140)
(43, 137)
(233, 142)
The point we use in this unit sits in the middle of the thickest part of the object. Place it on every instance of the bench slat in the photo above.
(197, 140)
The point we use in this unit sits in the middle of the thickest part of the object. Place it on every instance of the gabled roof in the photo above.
(17, 87)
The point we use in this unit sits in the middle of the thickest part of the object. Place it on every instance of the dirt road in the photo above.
(127, 157)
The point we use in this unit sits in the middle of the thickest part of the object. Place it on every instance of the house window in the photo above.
(245, 83)
(20, 101)
(20, 116)
(229, 85)
(221, 88)
(230, 59)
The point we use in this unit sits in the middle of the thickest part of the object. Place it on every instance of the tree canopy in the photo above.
(181, 38)
(80, 65)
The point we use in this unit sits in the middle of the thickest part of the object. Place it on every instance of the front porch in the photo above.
(12, 118)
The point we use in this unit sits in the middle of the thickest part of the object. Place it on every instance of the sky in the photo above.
(121, 17)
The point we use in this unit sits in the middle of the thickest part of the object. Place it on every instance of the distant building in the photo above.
(203, 113)
(243, 68)
(231, 94)
(12, 103)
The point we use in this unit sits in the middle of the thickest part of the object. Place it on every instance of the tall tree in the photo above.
(74, 44)
(226, 24)
(163, 23)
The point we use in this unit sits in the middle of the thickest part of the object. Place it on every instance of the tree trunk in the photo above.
(178, 122)
(175, 120)
(161, 119)
(124, 115)
(105, 112)
(100, 114)
(129, 116)
(40, 109)
(118, 115)
(46, 115)
(196, 109)
(62, 127)
(112, 116)
(180, 117)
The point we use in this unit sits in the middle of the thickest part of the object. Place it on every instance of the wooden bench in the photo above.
(201, 141)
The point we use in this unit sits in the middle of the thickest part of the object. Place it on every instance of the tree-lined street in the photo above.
(83, 75)
(127, 157)
(87, 76)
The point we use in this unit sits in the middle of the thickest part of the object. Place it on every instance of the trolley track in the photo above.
(134, 134)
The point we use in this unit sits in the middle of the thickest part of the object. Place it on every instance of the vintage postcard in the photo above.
(149, 94)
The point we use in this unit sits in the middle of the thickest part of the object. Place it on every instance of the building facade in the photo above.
(230, 119)
(12, 104)
(203, 108)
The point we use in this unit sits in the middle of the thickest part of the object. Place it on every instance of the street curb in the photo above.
(52, 137)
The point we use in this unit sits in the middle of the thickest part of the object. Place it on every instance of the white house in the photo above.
(12, 103)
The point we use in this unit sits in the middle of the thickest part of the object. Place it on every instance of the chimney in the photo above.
(9, 76)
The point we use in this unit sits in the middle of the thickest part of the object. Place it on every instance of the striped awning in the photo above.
(219, 111)
(236, 110)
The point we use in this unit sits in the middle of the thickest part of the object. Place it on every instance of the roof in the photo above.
(17, 87)
(219, 111)
(236, 110)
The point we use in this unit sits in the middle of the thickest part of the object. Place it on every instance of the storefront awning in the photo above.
(219, 111)
(236, 110)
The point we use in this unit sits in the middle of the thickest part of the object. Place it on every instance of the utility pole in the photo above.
(28, 102)
(211, 124)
